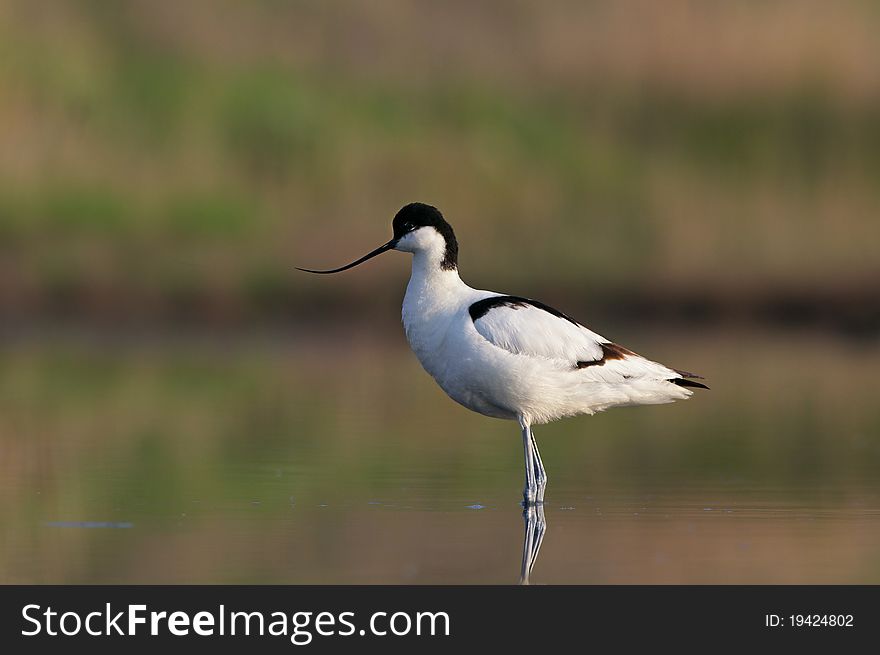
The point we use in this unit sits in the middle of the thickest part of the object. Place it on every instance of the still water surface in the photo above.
(294, 459)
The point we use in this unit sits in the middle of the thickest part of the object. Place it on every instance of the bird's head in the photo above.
(418, 228)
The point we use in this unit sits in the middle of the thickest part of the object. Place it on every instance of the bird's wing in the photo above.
(528, 327)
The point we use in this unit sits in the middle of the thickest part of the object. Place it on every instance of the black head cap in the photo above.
(415, 215)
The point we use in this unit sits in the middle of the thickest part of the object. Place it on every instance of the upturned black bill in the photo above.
(378, 251)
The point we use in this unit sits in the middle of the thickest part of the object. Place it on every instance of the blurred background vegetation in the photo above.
(172, 160)
(699, 180)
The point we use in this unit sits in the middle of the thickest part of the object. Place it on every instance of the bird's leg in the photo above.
(540, 473)
(530, 492)
(535, 527)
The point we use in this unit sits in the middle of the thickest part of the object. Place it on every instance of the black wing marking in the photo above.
(609, 351)
(481, 307)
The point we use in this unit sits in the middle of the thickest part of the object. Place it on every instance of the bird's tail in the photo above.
(687, 380)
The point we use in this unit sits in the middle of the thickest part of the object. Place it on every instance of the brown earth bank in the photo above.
(852, 311)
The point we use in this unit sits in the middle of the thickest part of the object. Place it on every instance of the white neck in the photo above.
(432, 292)
(429, 277)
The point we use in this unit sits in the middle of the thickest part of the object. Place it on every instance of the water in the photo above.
(310, 458)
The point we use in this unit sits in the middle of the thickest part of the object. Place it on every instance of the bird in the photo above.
(511, 357)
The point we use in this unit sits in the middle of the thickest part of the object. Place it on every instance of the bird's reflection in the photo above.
(535, 527)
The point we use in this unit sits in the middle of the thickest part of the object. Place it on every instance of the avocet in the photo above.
(511, 357)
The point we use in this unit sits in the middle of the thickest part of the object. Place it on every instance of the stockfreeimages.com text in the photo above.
(300, 627)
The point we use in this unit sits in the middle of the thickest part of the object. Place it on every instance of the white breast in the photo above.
(442, 336)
